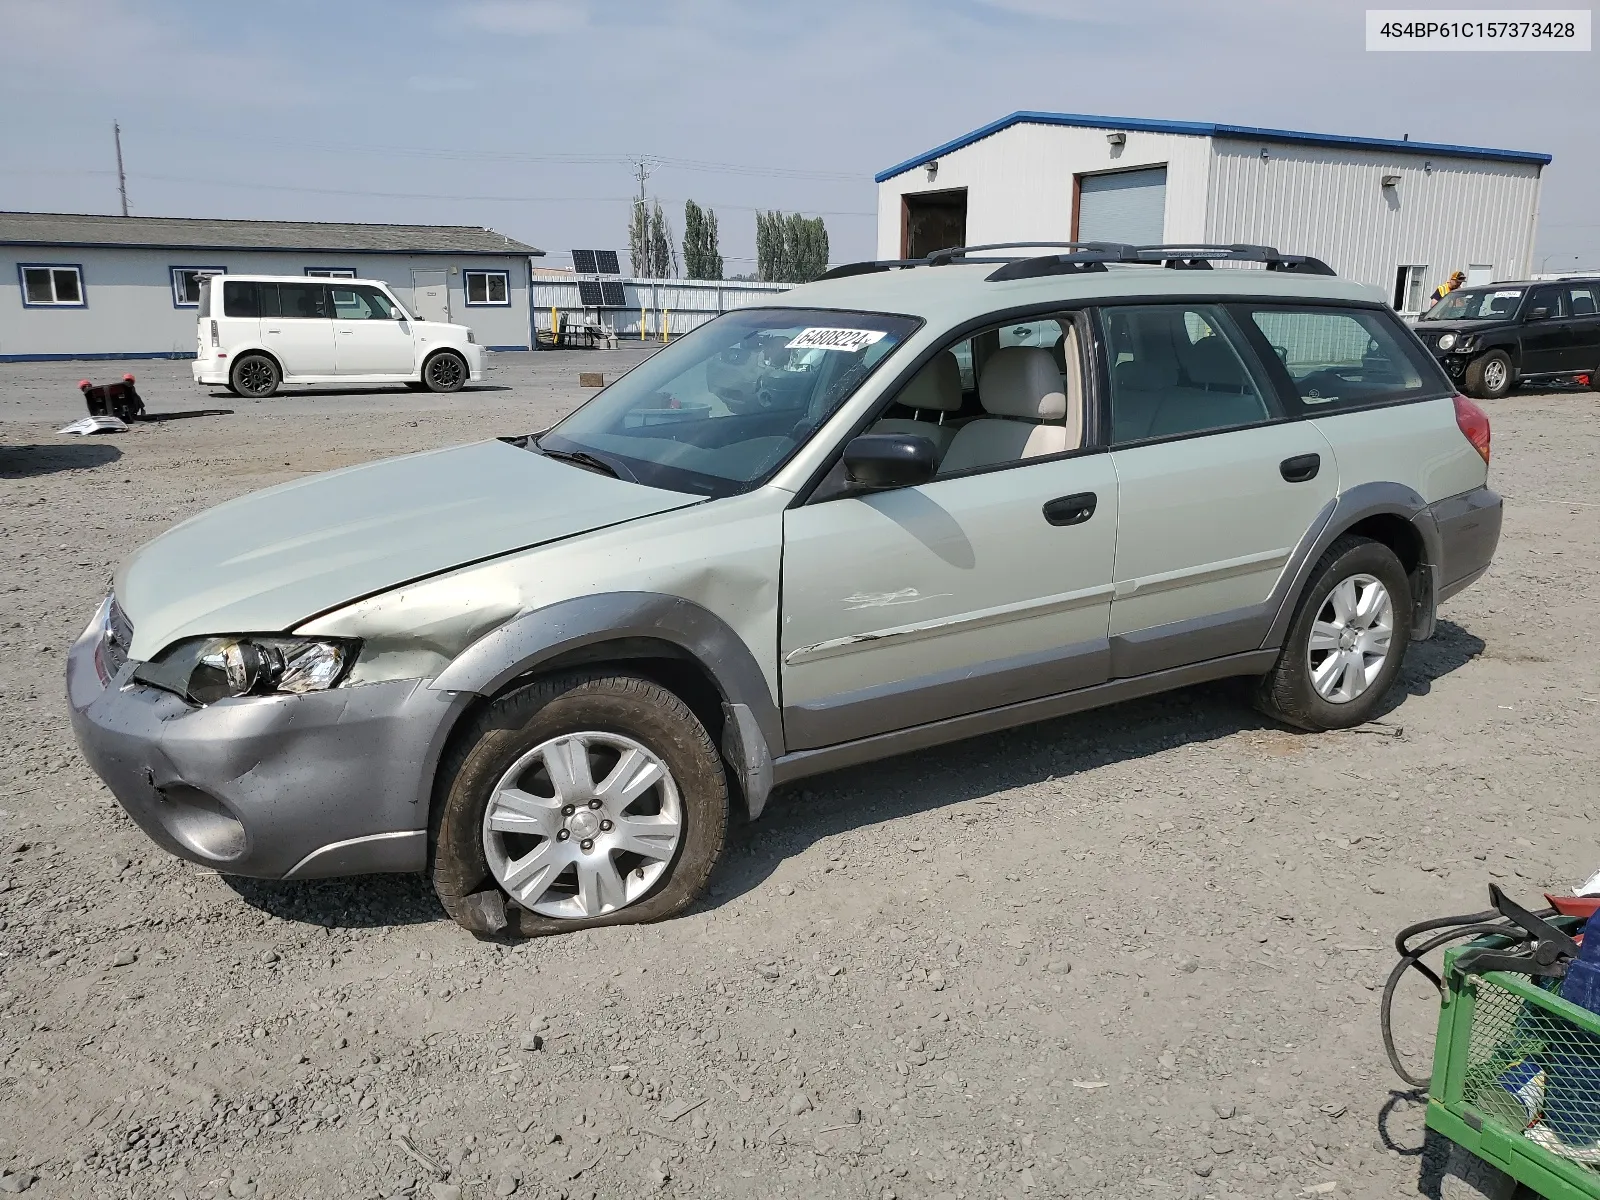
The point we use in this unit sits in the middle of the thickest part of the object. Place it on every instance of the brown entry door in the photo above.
(933, 221)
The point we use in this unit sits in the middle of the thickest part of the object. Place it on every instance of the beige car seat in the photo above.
(934, 389)
(1033, 408)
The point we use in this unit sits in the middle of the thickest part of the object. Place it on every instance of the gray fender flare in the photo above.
(1360, 502)
(752, 731)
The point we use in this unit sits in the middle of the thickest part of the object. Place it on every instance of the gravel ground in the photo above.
(1130, 953)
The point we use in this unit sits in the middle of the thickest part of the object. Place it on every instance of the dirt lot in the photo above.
(1131, 953)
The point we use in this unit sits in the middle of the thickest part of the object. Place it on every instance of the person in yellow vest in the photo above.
(1457, 278)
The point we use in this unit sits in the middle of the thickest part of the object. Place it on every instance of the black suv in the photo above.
(1490, 339)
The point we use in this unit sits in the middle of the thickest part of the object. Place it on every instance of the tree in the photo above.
(790, 248)
(662, 258)
(702, 257)
(639, 239)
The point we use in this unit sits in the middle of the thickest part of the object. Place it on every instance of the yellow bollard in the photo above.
(644, 322)
(555, 327)
(665, 313)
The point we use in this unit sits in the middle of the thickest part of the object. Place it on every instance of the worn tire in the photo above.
(1286, 692)
(1489, 376)
(255, 376)
(510, 726)
(445, 371)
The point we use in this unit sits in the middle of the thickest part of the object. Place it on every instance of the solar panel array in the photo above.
(596, 262)
(590, 294)
(615, 297)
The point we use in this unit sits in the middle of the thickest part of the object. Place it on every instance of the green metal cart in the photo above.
(1516, 1081)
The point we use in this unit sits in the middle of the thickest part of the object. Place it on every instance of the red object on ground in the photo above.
(84, 385)
(1574, 906)
(127, 379)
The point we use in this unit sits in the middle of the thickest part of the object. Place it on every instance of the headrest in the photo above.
(1135, 376)
(937, 387)
(1211, 361)
(1022, 381)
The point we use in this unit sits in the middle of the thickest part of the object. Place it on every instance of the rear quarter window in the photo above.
(1337, 358)
(241, 298)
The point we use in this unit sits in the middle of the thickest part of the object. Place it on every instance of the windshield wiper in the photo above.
(583, 458)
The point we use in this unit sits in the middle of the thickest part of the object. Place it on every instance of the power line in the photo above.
(321, 191)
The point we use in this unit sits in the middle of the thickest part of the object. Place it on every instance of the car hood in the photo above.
(1430, 330)
(270, 560)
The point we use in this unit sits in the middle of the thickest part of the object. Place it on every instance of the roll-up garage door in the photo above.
(1124, 206)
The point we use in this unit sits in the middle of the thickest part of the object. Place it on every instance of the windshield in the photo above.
(724, 406)
(1476, 304)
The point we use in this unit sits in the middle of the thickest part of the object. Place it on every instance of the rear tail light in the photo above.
(1474, 424)
(214, 339)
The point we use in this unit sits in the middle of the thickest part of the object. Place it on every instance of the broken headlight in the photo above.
(204, 670)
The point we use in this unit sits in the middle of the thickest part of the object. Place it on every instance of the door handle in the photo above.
(1070, 510)
(1301, 468)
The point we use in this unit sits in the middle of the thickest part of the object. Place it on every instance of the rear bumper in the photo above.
(1469, 530)
(328, 783)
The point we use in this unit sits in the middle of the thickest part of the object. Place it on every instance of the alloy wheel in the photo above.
(1350, 639)
(1494, 375)
(582, 825)
(444, 372)
(255, 376)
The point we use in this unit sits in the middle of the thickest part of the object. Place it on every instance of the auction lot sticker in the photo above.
(835, 339)
(1478, 29)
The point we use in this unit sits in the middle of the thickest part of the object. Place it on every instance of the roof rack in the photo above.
(1093, 256)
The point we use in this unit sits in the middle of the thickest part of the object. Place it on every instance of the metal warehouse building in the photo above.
(1400, 215)
(77, 286)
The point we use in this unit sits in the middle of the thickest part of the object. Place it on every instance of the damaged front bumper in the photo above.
(276, 787)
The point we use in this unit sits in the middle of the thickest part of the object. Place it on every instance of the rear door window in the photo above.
(1333, 358)
(1178, 370)
(305, 301)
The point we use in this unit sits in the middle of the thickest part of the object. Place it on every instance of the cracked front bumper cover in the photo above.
(309, 786)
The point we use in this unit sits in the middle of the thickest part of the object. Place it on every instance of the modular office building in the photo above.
(78, 286)
(1397, 214)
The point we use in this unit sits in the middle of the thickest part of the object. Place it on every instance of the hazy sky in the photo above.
(523, 115)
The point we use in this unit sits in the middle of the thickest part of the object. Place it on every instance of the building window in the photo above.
(48, 285)
(186, 284)
(488, 287)
(1411, 289)
(331, 272)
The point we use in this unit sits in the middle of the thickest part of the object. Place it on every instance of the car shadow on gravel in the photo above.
(157, 418)
(360, 902)
(826, 805)
(291, 392)
(26, 462)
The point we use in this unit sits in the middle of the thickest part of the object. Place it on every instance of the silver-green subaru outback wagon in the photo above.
(909, 503)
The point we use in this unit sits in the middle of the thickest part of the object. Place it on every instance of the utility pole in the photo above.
(642, 172)
(122, 180)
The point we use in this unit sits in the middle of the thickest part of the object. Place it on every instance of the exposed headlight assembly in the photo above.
(1446, 341)
(205, 670)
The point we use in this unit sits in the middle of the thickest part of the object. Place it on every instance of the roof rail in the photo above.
(1178, 257)
(1092, 256)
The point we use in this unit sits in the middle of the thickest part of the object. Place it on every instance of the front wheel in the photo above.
(1489, 376)
(580, 800)
(254, 375)
(446, 371)
(1346, 642)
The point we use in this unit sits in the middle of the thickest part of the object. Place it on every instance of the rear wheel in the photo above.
(1489, 376)
(446, 371)
(1346, 642)
(1468, 1177)
(254, 375)
(580, 800)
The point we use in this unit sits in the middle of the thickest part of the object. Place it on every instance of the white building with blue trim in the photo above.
(85, 286)
(1397, 214)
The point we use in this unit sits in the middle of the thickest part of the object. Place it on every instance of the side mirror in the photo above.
(1539, 314)
(399, 314)
(889, 460)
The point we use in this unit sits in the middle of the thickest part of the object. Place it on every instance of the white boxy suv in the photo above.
(256, 332)
(909, 503)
